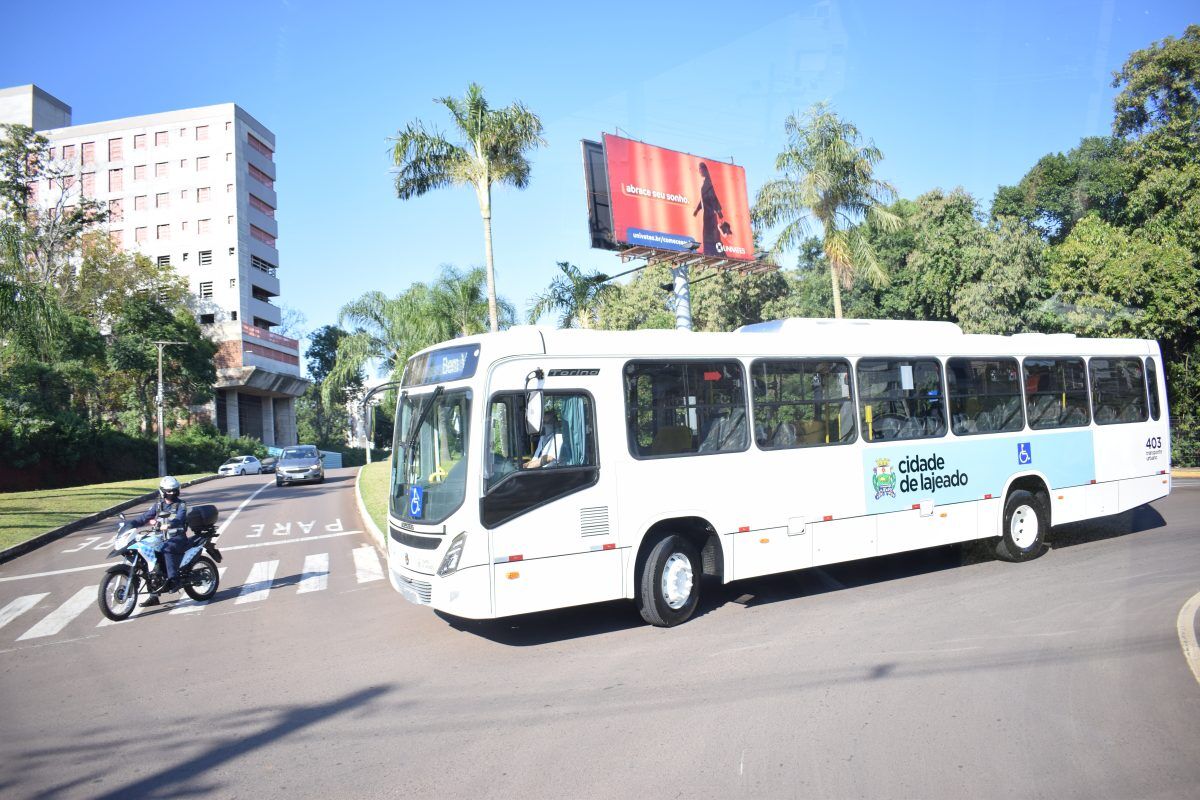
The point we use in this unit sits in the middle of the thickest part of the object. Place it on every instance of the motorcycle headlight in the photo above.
(453, 555)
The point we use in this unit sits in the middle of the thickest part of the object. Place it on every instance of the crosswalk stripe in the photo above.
(258, 582)
(57, 619)
(316, 573)
(18, 607)
(366, 564)
(187, 605)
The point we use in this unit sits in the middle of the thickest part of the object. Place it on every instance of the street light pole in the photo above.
(159, 402)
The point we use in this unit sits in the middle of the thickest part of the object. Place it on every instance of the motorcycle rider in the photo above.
(171, 513)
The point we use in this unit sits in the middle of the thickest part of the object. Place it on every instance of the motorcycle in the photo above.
(143, 568)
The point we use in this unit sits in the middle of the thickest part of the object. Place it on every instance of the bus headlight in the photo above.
(453, 555)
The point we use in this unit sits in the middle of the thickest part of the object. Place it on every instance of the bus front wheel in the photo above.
(669, 584)
(1026, 524)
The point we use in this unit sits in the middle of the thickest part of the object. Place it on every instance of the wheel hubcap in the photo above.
(677, 580)
(1023, 527)
(118, 593)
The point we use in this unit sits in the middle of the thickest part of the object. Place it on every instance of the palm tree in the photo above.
(493, 150)
(460, 298)
(577, 296)
(828, 176)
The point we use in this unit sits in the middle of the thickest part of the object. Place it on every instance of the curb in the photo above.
(368, 522)
(43, 539)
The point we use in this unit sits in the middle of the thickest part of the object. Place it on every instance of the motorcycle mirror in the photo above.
(121, 515)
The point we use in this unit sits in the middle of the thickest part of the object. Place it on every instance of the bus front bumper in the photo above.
(464, 593)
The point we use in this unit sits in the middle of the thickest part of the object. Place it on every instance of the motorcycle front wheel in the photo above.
(201, 579)
(118, 593)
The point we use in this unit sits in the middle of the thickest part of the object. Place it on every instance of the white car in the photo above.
(241, 465)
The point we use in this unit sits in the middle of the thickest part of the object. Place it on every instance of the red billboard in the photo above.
(675, 201)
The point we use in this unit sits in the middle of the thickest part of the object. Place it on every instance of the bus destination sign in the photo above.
(440, 366)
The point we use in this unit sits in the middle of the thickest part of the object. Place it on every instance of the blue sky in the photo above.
(954, 93)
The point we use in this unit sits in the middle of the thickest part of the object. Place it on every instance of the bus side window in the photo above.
(985, 395)
(1056, 393)
(1118, 390)
(1152, 386)
(802, 403)
(685, 408)
(901, 398)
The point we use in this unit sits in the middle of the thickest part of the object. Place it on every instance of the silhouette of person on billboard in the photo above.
(714, 220)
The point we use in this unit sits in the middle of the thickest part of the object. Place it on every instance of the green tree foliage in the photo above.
(317, 421)
(1158, 107)
(493, 150)
(1094, 177)
(828, 175)
(574, 295)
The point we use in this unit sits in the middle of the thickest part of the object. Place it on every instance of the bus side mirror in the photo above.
(533, 402)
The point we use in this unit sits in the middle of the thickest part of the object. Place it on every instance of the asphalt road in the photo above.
(943, 673)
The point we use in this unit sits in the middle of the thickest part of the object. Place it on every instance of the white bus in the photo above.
(537, 469)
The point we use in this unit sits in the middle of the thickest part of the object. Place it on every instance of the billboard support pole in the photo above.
(683, 298)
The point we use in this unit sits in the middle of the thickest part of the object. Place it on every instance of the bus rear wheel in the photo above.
(669, 584)
(1026, 523)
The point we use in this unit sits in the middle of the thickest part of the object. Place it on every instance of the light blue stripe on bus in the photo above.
(971, 467)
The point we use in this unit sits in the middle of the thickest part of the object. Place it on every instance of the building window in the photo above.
(207, 319)
(228, 157)
(261, 235)
(160, 139)
(201, 163)
(229, 220)
(228, 188)
(233, 315)
(802, 403)
(901, 398)
(116, 149)
(183, 226)
(53, 153)
(685, 408)
(139, 202)
(163, 232)
(205, 258)
(203, 194)
(1118, 390)
(162, 200)
(139, 172)
(262, 206)
(255, 144)
(139, 234)
(116, 210)
(261, 177)
(185, 255)
(228, 125)
(68, 182)
(116, 180)
(89, 184)
(263, 264)
(985, 395)
(88, 153)
(139, 141)
(231, 250)
(160, 169)
(202, 226)
(201, 133)
(183, 163)
(182, 133)
(205, 290)
(68, 152)
(115, 237)
(232, 283)
(164, 261)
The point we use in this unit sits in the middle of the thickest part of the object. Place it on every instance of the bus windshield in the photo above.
(429, 461)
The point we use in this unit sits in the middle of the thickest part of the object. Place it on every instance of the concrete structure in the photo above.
(193, 189)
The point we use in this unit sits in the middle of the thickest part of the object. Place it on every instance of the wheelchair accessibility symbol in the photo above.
(1024, 453)
(416, 502)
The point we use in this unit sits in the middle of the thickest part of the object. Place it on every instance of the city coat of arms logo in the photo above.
(883, 479)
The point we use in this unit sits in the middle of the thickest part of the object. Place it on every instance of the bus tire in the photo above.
(669, 584)
(1026, 524)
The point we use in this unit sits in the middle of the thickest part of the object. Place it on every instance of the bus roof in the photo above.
(796, 337)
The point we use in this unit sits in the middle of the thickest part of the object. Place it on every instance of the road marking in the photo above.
(187, 605)
(258, 582)
(57, 619)
(52, 572)
(1185, 623)
(316, 573)
(288, 541)
(18, 607)
(366, 564)
(238, 510)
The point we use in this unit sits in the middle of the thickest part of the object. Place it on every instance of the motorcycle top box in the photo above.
(201, 517)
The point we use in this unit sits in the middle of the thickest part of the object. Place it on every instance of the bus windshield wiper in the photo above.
(417, 422)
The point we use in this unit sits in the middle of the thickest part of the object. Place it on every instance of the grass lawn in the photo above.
(374, 486)
(24, 515)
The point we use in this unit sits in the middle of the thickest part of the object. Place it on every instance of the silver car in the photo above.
(300, 464)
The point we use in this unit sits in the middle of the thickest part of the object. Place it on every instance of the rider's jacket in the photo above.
(175, 513)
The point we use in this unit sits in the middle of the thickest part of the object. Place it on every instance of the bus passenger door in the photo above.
(548, 504)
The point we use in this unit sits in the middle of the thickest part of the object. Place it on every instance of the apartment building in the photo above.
(194, 189)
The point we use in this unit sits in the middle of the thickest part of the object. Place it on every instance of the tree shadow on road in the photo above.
(195, 775)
